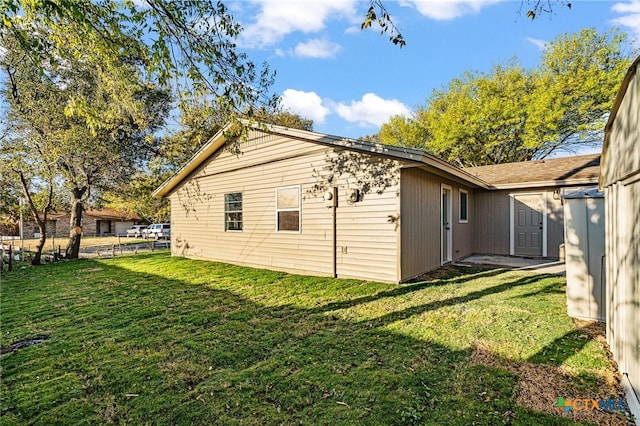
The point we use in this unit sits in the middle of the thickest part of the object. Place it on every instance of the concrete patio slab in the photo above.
(541, 266)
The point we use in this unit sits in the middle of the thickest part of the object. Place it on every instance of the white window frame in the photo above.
(299, 210)
(466, 193)
(233, 211)
(449, 218)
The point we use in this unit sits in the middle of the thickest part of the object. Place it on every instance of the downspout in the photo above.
(334, 232)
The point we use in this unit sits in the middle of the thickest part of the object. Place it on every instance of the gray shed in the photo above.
(584, 221)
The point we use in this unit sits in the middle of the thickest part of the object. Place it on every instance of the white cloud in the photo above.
(442, 10)
(316, 48)
(630, 19)
(631, 7)
(306, 104)
(540, 44)
(277, 18)
(371, 110)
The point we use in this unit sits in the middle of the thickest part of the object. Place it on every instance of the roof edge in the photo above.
(614, 111)
(400, 153)
(546, 183)
(194, 162)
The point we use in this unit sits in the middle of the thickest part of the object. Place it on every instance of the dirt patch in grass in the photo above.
(541, 383)
(87, 270)
(448, 271)
(22, 344)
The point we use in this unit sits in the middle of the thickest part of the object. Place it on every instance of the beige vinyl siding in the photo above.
(367, 238)
(462, 232)
(268, 162)
(420, 222)
(492, 231)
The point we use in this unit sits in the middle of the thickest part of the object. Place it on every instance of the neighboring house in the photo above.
(311, 203)
(523, 216)
(620, 181)
(94, 223)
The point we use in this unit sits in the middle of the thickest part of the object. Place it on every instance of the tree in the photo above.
(199, 121)
(25, 174)
(378, 14)
(188, 44)
(512, 114)
(187, 47)
(91, 151)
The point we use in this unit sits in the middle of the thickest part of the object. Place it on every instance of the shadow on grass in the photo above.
(547, 289)
(456, 276)
(474, 295)
(139, 348)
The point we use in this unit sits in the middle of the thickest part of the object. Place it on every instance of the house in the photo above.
(620, 180)
(95, 222)
(527, 197)
(311, 203)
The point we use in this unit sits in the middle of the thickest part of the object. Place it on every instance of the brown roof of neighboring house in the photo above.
(112, 214)
(103, 214)
(576, 170)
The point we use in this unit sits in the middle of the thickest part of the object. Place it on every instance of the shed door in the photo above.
(527, 224)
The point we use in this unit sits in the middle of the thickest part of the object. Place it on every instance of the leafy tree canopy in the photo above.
(514, 114)
(199, 121)
(188, 45)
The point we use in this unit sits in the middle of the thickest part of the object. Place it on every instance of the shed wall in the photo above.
(621, 182)
(621, 157)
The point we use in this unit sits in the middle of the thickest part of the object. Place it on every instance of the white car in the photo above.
(157, 231)
(136, 231)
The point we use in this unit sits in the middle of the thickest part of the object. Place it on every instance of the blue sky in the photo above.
(350, 81)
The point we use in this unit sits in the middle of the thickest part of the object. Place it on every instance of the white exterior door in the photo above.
(445, 228)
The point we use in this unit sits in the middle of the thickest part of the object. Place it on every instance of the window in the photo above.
(288, 209)
(464, 206)
(233, 211)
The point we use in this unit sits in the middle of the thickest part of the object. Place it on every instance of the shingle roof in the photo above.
(105, 213)
(583, 169)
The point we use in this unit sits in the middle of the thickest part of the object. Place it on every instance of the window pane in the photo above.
(230, 207)
(288, 198)
(234, 217)
(234, 226)
(463, 206)
(289, 221)
(236, 196)
(233, 211)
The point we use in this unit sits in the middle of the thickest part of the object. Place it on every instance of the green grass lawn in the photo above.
(152, 339)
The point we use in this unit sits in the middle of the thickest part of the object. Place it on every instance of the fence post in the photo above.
(153, 245)
(10, 257)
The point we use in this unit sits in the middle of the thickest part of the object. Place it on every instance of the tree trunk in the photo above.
(75, 233)
(41, 221)
(42, 228)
